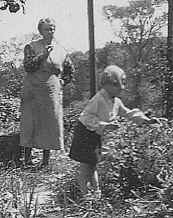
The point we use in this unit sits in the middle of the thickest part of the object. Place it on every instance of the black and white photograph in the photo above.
(86, 109)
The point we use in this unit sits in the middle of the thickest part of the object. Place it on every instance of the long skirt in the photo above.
(42, 112)
(85, 144)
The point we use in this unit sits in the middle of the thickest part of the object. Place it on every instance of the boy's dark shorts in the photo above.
(84, 145)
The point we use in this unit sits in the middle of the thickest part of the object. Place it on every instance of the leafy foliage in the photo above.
(135, 174)
(12, 5)
(136, 169)
(140, 26)
(139, 152)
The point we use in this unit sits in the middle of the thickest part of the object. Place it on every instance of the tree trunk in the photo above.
(169, 76)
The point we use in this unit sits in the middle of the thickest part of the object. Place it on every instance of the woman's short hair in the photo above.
(47, 20)
(110, 74)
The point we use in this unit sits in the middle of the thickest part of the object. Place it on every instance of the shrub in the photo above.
(9, 113)
(137, 164)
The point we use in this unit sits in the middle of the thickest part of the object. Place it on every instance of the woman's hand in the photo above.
(47, 51)
(49, 48)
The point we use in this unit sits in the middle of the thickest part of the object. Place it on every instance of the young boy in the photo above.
(100, 114)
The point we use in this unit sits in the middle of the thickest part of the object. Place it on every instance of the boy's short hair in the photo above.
(110, 74)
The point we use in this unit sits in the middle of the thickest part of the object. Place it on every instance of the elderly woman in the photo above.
(48, 69)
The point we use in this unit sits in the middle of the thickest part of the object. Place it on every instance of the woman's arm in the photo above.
(32, 61)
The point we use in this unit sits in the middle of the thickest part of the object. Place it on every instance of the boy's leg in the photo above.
(95, 178)
(94, 173)
(95, 183)
(88, 173)
(84, 174)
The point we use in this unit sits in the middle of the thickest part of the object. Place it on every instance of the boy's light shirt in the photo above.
(101, 108)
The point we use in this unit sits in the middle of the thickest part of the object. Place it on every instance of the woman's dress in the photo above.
(41, 105)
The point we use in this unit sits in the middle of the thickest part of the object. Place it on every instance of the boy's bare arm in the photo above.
(136, 115)
(109, 125)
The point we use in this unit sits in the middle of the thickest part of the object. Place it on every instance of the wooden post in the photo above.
(91, 48)
(169, 81)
